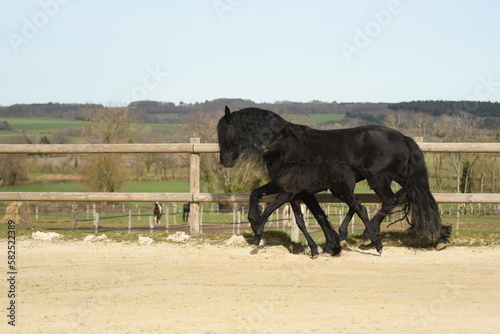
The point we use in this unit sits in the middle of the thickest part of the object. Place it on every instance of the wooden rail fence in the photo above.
(194, 148)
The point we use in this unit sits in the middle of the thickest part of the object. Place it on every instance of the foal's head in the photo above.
(286, 146)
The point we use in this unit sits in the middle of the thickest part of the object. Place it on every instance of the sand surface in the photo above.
(98, 286)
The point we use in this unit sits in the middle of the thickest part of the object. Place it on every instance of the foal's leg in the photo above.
(299, 219)
(255, 196)
(345, 224)
(355, 205)
(332, 238)
(259, 228)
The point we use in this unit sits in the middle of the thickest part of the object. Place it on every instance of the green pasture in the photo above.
(34, 124)
(163, 127)
(177, 186)
(37, 126)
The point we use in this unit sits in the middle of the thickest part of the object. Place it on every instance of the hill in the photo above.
(355, 113)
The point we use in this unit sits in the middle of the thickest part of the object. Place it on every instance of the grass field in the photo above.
(37, 126)
(177, 186)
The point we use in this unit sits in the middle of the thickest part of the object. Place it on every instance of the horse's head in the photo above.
(228, 140)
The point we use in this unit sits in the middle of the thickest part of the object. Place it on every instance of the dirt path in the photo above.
(108, 287)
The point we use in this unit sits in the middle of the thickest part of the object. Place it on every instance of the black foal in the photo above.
(297, 180)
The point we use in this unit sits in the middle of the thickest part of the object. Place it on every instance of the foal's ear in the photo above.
(287, 131)
(227, 111)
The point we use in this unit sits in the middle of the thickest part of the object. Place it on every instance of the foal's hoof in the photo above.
(343, 243)
(366, 242)
(366, 247)
(315, 256)
(441, 246)
(380, 251)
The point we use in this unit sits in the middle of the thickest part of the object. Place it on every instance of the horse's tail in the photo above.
(425, 219)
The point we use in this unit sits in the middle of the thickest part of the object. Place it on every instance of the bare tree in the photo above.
(13, 167)
(460, 127)
(395, 120)
(105, 126)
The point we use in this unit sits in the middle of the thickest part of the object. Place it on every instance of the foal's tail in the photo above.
(425, 220)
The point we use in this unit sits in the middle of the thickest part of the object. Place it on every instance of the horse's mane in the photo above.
(256, 127)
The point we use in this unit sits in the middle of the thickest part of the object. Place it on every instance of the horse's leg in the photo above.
(259, 228)
(332, 238)
(346, 193)
(253, 210)
(343, 227)
(389, 202)
(299, 219)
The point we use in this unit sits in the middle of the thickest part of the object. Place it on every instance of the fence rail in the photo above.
(212, 197)
(205, 148)
(194, 148)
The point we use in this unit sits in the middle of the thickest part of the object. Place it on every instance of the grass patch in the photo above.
(41, 124)
(178, 186)
(48, 187)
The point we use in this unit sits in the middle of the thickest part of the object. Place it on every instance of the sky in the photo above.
(114, 52)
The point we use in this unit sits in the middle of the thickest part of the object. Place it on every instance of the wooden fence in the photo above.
(194, 148)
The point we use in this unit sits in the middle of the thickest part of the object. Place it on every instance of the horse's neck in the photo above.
(258, 127)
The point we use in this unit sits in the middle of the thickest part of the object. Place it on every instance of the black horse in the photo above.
(186, 209)
(378, 154)
(295, 180)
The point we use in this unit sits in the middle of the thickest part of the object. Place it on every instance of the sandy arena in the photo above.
(99, 286)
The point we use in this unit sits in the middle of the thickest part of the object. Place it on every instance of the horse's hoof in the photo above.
(380, 251)
(366, 242)
(343, 243)
(314, 256)
(441, 246)
(365, 247)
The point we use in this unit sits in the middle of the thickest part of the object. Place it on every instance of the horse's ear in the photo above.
(227, 111)
(286, 130)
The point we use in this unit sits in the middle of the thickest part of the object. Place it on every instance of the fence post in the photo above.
(129, 220)
(25, 211)
(194, 187)
(96, 223)
(166, 217)
(74, 215)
